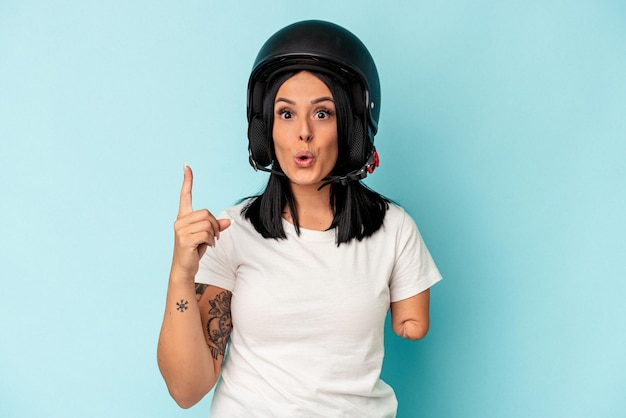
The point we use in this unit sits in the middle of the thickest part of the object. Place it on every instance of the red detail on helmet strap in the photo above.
(374, 164)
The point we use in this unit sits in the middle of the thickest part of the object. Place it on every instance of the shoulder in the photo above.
(395, 211)
(241, 227)
(400, 225)
(397, 217)
(234, 212)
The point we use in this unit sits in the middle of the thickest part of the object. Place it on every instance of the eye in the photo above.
(285, 114)
(323, 113)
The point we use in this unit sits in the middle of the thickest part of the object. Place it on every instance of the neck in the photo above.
(312, 206)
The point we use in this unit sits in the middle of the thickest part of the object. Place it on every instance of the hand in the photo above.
(193, 231)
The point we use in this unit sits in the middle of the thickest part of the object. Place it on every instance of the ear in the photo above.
(258, 143)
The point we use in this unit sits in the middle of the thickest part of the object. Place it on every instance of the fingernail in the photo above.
(232, 221)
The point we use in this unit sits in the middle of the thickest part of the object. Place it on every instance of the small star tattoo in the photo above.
(182, 305)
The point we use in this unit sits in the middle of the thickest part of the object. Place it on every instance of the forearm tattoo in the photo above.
(219, 324)
(182, 305)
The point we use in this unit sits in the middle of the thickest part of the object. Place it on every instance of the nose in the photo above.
(306, 131)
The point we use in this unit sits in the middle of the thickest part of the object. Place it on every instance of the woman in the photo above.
(303, 275)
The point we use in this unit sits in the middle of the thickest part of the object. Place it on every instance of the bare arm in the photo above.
(183, 355)
(188, 365)
(410, 317)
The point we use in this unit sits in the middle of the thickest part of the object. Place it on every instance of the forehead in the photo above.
(303, 84)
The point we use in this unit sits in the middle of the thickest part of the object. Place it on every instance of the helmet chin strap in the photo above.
(258, 167)
(356, 175)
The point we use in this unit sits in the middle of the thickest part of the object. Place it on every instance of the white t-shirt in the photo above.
(308, 317)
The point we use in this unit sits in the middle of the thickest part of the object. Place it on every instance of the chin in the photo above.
(299, 182)
(307, 180)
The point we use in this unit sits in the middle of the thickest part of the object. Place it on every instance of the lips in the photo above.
(304, 159)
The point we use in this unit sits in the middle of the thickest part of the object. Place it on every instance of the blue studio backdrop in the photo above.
(502, 132)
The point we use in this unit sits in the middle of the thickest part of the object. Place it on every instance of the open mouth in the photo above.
(304, 158)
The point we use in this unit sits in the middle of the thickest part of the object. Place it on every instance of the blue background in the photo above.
(502, 132)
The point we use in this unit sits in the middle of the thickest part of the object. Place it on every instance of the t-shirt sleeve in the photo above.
(414, 270)
(216, 267)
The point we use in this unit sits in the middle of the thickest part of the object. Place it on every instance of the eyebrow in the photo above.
(322, 99)
(314, 101)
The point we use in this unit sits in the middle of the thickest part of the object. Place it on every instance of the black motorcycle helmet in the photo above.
(327, 48)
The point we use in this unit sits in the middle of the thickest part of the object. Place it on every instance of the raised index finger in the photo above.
(184, 206)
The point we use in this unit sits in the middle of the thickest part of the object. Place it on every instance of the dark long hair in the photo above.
(358, 211)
